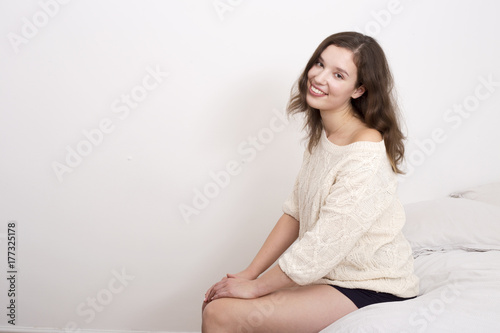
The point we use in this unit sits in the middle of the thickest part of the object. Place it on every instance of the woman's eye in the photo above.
(338, 76)
(318, 63)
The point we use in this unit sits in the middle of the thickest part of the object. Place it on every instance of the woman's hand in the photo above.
(233, 286)
(243, 275)
(237, 287)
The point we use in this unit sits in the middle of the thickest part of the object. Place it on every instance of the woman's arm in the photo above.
(236, 287)
(284, 233)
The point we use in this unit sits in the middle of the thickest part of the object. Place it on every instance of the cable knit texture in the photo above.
(350, 220)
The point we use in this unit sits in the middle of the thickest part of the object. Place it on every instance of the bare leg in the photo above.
(300, 309)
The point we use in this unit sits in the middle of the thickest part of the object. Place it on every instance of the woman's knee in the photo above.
(215, 316)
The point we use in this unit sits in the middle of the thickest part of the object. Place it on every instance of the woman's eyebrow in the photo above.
(342, 70)
(335, 67)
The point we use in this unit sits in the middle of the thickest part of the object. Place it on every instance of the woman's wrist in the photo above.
(272, 280)
(259, 287)
(249, 273)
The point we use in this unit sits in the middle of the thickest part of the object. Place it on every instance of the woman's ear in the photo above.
(358, 92)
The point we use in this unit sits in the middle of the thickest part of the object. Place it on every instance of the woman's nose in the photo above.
(321, 77)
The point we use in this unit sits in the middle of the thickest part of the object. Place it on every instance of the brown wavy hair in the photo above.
(377, 107)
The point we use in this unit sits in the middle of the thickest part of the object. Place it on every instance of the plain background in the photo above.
(230, 65)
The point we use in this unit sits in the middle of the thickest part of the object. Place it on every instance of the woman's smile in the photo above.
(315, 91)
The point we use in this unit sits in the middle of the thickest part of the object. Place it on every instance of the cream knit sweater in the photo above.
(350, 221)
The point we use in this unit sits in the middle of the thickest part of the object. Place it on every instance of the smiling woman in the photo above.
(343, 216)
(357, 68)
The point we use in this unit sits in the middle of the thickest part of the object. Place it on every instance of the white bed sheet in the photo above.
(459, 292)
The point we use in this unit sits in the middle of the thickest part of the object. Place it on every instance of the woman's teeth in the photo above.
(317, 91)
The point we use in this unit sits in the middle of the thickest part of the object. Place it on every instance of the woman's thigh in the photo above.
(300, 309)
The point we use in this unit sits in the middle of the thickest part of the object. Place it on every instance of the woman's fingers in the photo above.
(210, 291)
(226, 288)
(214, 290)
(222, 289)
(217, 288)
(211, 295)
(232, 287)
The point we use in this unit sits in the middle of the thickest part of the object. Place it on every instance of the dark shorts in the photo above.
(363, 297)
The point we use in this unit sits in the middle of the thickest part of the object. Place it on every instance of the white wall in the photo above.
(117, 213)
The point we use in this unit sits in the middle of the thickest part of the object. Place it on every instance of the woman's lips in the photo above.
(316, 91)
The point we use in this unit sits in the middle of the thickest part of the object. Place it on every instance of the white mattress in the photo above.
(460, 292)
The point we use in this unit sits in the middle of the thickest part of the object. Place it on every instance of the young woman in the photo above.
(343, 210)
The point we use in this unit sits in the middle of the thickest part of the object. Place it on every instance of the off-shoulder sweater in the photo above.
(350, 219)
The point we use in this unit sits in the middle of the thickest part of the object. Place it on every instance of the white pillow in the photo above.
(489, 193)
(452, 223)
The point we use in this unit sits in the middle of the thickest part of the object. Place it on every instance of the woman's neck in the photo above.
(339, 123)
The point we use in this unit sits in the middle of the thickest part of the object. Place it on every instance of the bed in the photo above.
(456, 245)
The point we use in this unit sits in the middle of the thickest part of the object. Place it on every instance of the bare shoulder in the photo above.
(367, 134)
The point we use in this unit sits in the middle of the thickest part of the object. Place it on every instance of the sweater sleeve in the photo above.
(355, 201)
(291, 205)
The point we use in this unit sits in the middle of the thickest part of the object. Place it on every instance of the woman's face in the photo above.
(332, 79)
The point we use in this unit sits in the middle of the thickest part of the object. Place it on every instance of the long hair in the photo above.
(377, 107)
